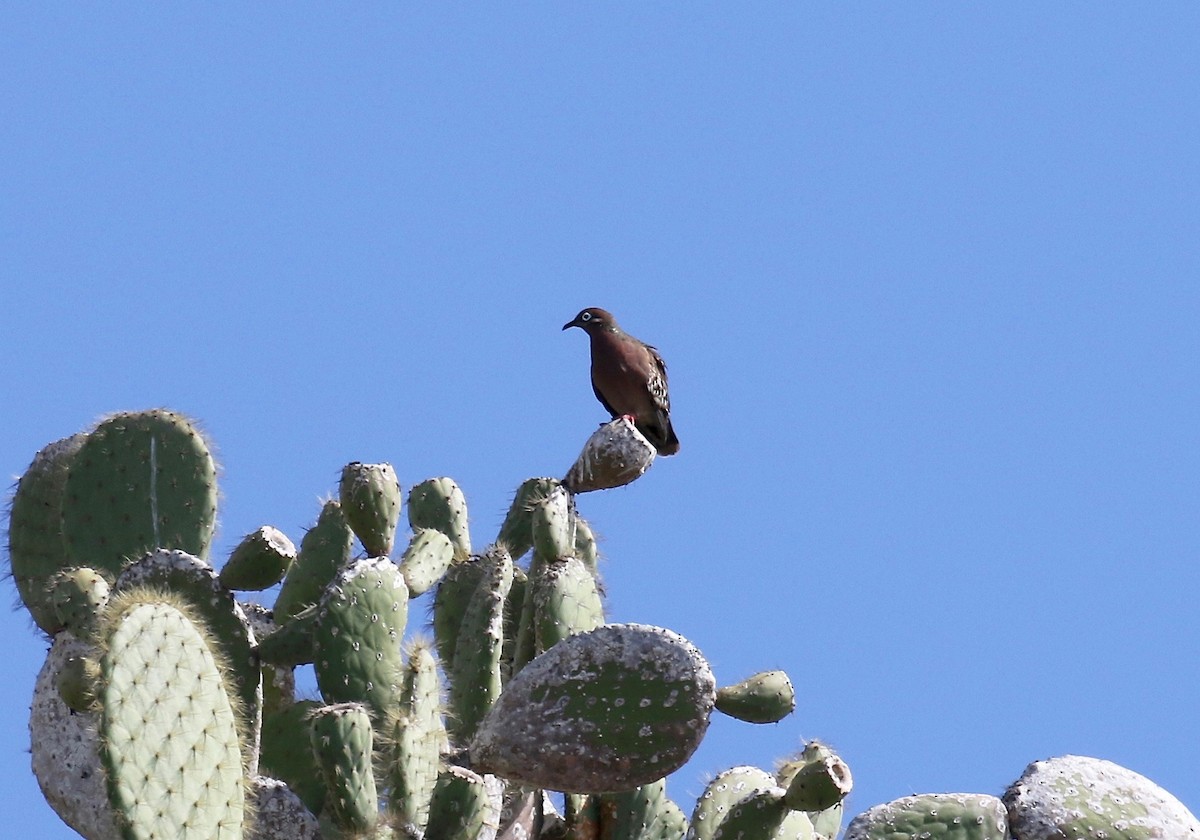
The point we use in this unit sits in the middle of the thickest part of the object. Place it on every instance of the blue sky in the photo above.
(925, 276)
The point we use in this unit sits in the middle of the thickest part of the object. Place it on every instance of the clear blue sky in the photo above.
(927, 278)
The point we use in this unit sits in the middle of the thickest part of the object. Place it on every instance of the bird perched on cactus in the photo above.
(629, 378)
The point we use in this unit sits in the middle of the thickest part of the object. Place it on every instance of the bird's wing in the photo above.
(600, 396)
(657, 380)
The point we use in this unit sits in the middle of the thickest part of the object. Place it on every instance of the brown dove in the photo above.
(629, 378)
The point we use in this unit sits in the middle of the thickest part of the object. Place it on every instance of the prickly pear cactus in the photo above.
(418, 739)
(826, 777)
(1076, 796)
(938, 816)
(160, 685)
(323, 551)
(516, 534)
(78, 596)
(439, 503)
(140, 481)
(475, 672)
(170, 729)
(370, 497)
(36, 548)
(428, 556)
(343, 744)
(462, 807)
(609, 710)
(767, 697)
(721, 796)
(260, 560)
(360, 624)
(644, 813)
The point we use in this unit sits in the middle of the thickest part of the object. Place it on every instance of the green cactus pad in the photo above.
(767, 697)
(418, 739)
(291, 644)
(323, 551)
(193, 580)
(518, 625)
(342, 742)
(450, 602)
(936, 816)
(78, 596)
(1076, 796)
(360, 624)
(644, 813)
(370, 497)
(554, 525)
(260, 560)
(169, 727)
(585, 546)
(722, 794)
(287, 751)
(475, 675)
(426, 559)
(608, 710)
(461, 808)
(566, 601)
(439, 503)
(819, 785)
(36, 547)
(78, 682)
(516, 534)
(763, 815)
(140, 481)
(826, 822)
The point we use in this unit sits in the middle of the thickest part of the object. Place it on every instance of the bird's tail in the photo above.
(667, 443)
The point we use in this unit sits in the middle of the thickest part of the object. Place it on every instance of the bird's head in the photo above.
(592, 319)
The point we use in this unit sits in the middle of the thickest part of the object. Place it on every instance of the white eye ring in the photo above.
(586, 316)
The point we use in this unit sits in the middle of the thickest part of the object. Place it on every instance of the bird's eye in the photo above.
(586, 316)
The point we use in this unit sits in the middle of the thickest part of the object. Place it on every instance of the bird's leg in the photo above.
(631, 418)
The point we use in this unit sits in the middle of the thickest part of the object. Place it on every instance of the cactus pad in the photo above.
(370, 497)
(36, 547)
(439, 503)
(169, 728)
(426, 559)
(418, 739)
(614, 455)
(323, 551)
(516, 534)
(475, 674)
(1076, 796)
(193, 580)
(78, 596)
(607, 710)
(260, 560)
(461, 807)
(342, 742)
(936, 816)
(644, 813)
(722, 794)
(360, 624)
(763, 698)
(140, 481)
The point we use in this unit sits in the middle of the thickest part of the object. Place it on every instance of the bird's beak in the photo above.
(570, 324)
